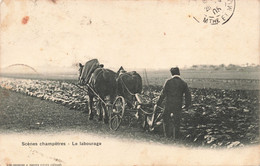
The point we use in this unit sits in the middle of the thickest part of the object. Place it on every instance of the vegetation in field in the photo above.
(217, 118)
(221, 117)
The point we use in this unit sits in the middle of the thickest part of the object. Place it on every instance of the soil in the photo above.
(25, 114)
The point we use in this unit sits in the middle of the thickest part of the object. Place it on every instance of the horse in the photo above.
(102, 82)
(128, 84)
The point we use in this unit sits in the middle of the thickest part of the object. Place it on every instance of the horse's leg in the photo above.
(105, 114)
(90, 105)
(112, 98)
(100, 115)
(106, 109)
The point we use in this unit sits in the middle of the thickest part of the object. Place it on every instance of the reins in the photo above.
(93, 89)
(97, 95)
(80, 87)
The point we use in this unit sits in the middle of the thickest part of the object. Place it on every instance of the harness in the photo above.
(125, 84)
(94, 82)
(97, 95)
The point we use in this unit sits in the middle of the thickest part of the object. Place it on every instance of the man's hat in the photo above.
(175, 71)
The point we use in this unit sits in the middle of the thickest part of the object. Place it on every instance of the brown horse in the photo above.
(102, 83)
(128, 84)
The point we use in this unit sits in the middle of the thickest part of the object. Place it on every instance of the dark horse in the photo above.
(102, 83)
(128, 84)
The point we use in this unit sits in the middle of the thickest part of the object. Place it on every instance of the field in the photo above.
(220, 116)
(247, 80)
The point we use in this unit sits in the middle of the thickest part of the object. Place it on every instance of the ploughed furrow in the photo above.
(217, 118)
(60, 92)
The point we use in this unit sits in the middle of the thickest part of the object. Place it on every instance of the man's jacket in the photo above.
(173, 91)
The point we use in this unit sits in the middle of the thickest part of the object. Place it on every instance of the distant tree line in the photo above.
(221, 67)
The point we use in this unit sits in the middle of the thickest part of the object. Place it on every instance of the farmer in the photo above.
(172, 92)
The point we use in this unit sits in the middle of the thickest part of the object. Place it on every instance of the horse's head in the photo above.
(80, 71)
(120, 70)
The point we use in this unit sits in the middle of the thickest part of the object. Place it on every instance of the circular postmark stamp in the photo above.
(214, 12)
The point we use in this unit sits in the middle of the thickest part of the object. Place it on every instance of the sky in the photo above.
(134, 34)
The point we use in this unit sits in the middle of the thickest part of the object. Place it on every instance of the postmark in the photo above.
(214, 12)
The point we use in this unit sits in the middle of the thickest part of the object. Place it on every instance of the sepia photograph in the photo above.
(129, 82)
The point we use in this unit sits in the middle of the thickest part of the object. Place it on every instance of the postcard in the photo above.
(126, 82)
